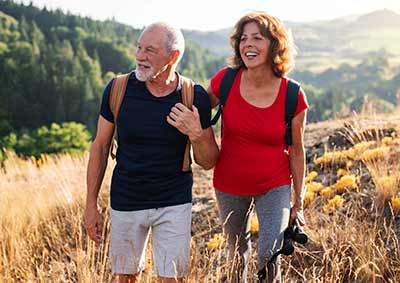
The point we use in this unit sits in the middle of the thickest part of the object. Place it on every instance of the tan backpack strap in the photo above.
(117, 94)
(187, 92)
(187, 100)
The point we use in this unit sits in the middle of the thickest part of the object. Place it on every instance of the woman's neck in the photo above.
(259, 76)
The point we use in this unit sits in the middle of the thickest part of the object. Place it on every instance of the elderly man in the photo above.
(149, 189)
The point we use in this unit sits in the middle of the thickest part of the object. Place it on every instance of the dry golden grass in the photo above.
(42, 238)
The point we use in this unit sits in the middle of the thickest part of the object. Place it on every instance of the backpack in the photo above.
(117, 94)
(292, 94)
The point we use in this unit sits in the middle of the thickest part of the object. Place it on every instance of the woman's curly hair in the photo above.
(281, 51)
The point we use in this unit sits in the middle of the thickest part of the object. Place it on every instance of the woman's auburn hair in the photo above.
(281, 51)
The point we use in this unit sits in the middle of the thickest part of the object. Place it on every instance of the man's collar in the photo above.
(179, 86)
(133, 78)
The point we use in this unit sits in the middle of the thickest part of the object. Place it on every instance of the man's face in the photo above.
(152, 57)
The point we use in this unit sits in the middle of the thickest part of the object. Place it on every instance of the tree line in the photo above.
(54, 66)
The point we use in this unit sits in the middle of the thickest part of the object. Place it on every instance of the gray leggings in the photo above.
(273, 211)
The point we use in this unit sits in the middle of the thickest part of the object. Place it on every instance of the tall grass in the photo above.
(42, 238)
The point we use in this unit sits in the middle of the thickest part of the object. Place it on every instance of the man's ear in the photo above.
(174, 57)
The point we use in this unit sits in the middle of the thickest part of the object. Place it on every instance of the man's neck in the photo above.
(163, 84)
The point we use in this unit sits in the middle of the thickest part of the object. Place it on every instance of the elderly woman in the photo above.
(255, 165)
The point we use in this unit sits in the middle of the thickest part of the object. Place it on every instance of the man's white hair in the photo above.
(174, 37)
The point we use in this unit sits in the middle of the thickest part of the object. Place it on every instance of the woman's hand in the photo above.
(296, 212)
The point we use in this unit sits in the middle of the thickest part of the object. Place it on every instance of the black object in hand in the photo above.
(293, 233)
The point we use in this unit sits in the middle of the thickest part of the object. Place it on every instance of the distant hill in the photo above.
(339, 38)
(324, 44)
(217, 42)
(379, 19)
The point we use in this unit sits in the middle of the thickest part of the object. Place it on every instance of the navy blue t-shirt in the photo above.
(150, 151)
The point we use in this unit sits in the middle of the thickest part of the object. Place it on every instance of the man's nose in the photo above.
(140, 55)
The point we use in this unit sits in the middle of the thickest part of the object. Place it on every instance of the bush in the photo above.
(68, 137)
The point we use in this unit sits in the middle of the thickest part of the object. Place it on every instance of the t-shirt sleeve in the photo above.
(202, 102)
(105, 110)
(216, 81)
(302, 103)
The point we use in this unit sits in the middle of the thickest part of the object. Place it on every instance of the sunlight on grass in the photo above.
(352, 214)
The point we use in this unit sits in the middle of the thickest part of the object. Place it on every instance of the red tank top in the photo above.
(252, 159)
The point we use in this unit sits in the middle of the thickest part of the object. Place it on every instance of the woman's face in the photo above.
(253, 46)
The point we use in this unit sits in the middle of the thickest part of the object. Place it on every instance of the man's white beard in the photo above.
(149, 74)
(144, 76)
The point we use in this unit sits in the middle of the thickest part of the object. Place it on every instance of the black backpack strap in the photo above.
(225, 88)
(292, 95)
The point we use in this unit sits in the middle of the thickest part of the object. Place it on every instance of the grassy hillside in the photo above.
(352, 213)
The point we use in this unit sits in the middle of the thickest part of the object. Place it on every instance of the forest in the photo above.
(55, 65)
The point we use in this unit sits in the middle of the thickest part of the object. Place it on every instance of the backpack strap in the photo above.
(292, 95)
(187, 93)
(225, 88)
(117, 94)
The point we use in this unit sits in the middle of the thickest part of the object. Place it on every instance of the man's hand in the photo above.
(93, 223)
(186, 121)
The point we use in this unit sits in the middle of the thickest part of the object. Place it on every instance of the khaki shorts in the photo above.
(170, 228)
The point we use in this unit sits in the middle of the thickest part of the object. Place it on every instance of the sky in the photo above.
(210, 15)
